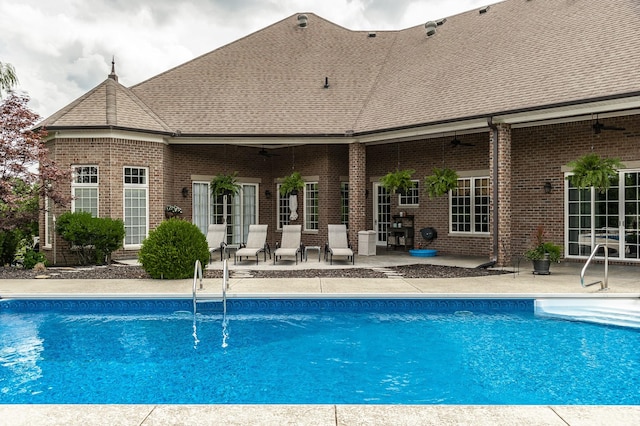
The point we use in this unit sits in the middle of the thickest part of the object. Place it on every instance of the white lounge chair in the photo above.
(217, 239)
(291, 237)
(256, 243)
(338, 244)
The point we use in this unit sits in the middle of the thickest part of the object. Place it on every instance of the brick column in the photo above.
(357, 187)
(504, 254)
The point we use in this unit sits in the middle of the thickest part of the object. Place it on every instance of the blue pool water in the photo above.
(321, 351)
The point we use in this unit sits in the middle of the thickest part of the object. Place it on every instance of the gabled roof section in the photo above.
(272, 82)
(110, 104)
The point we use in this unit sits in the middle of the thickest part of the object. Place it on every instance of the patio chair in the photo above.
(217, 239)
(291, 236)
(338, 244)
(256, 243)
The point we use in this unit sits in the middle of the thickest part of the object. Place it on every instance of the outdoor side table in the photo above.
(229, 247)
(306, 250)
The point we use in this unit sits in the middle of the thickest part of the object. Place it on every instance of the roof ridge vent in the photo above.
(302, 20)
(430, 26)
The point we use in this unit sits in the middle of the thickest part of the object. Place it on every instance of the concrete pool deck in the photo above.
(564, 281)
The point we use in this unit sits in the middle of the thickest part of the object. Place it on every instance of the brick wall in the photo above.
(537, 155)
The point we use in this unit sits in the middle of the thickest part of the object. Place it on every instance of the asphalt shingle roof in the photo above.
(518, 55)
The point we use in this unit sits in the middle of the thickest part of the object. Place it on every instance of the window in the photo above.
(283, 209)
(311, 206)
(469, 206)
(344, 204)
(411, 197)
(136, 212)
(84, 189)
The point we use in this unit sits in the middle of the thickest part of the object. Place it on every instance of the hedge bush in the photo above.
(171, 250)
(94, 238)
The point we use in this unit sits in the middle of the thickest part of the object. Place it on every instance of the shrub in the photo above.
(31, 258)
(170, 250)
(8, 246)
(94, 238)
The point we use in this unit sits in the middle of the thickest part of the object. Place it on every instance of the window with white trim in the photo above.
(469, 206)
(283, 209)
(136, 211)
(311, 215)
(84, 188)
(344, 204)
(48, 222)
(411, 197)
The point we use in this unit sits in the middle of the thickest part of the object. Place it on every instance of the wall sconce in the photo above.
(185, 192)
(267, 194)
(547, 187)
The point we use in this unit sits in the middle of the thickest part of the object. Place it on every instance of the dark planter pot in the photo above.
(541, 267)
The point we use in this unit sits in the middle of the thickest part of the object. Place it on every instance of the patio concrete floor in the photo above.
(564, 281)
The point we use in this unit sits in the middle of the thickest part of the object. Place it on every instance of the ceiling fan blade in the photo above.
(612, 128)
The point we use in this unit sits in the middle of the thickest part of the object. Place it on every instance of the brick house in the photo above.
(525, 86)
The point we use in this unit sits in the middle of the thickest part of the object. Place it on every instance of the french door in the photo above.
(237, 212)
(610, 219)
(381, 213)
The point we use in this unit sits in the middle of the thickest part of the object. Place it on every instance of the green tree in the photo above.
(8, 77)
(26, 170)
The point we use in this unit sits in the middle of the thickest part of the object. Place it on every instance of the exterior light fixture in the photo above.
(185, 192)
(267, 194)
(547, 187)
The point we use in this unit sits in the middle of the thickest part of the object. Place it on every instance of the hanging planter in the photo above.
(290, 186)
(225, 185)
(591, 170)
(398, 181)
(440, 182)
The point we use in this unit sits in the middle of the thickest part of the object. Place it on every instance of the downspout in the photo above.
(494, 129)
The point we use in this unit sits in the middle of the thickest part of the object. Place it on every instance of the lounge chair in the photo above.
(217, 239)
(291, 236)
(256, 243)
(338, 244)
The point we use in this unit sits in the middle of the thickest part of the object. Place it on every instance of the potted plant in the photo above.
(172, 211)
(440, 182)
(542, 253)
(291, 184)
(591, 170)
(398, 181)
(225, 185)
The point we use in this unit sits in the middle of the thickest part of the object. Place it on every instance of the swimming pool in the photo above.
(310, 351)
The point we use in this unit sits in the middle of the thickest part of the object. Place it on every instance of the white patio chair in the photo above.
(290, 246)
(216, 239)
(256, 243)
(338, 244)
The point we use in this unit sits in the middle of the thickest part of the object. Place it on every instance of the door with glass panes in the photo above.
(609, 218)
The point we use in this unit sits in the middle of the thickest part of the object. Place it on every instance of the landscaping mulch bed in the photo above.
(117, 271)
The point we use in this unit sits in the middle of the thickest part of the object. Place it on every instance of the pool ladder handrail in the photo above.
(604, 284)
(197, 273)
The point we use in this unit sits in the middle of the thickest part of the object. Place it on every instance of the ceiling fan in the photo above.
(266, 153)
(598, 127)
(457, 142)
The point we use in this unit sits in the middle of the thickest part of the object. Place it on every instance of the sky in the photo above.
(61, 49)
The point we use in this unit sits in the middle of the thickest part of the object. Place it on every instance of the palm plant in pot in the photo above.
(398, 181)
(543, 252)
(225, 184)
(440, 182)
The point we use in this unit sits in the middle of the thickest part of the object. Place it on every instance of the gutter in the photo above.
(494, 130)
